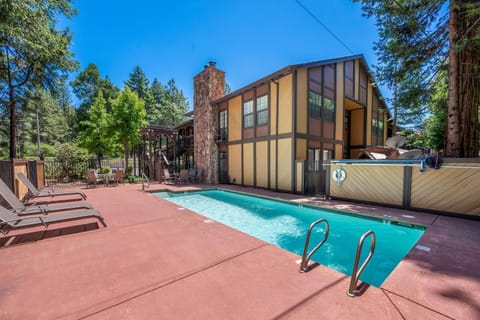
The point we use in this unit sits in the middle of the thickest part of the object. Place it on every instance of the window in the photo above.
(262, 110)
(349, 78)
(363, 84)
(223, 124)
(314, 104)
(328, 110)
(248, 114)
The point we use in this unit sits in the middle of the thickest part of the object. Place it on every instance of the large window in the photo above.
(248, 114)
(262, 110)
(223, 124)
(321, 100)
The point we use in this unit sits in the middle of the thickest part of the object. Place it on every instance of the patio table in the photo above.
(107, 177)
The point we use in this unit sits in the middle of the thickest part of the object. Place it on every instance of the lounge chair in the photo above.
(35, 193)
(19, 208)
(10, 221)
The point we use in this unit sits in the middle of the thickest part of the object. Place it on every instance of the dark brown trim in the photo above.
(407, 186)
(243, 165)
(294, 131)
(276, 133)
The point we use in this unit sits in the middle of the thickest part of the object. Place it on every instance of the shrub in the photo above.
(105, 169)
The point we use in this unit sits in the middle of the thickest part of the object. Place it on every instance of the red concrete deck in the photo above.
(156, 261)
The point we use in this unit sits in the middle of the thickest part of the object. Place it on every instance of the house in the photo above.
(276, 132)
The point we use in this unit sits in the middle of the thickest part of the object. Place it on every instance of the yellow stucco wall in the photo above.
(235, 119)
(285, 105)
(248, 164)
(302, 100)
(299, 177)
(369, 114)
(261, 163)
(235, 163)
(285, 164)
(273, 164)
(301, 153)
(356, 125)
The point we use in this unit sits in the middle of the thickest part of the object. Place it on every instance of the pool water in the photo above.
(286, 224)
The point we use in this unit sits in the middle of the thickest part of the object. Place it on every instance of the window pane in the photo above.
(262, 103)
(248, 121)
(262, 117)
(248, 107)
(329, 77)
(315, 103)
(223, 119)
(328, 110)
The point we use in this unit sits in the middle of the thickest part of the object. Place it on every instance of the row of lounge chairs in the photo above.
(21, 215)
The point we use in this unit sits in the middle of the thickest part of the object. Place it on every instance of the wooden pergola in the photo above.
(152, 159)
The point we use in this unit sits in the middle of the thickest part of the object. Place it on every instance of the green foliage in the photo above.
(72, 159)
(33, 52)
(87, 86)
(413, 47)
(105, 169)
(128, 117)
(170, 102)
(97, 137)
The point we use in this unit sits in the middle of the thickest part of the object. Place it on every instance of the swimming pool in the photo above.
(285, 225)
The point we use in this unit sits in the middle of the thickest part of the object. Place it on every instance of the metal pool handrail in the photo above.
(145, 179)
(305, 259)
(356, 272)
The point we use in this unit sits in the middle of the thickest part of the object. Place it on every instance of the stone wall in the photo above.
(209, 85)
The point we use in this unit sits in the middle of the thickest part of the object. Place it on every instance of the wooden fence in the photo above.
(34, 169)
(454, 188)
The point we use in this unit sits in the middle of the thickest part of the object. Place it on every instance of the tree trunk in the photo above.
(453, 129)
(13, 121)
(125, 145)
(469, 85)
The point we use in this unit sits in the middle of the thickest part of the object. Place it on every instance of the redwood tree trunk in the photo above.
(453, 128)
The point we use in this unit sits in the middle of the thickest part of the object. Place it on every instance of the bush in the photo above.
(105, 169)
(129, 171)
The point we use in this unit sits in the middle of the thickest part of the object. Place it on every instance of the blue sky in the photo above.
(248, 39)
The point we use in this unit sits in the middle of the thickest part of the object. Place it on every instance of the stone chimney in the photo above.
(208, 86)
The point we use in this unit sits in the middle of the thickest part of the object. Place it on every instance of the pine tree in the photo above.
(416, 40)
(33, 52)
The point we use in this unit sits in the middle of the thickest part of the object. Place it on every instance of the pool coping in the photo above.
(393, 220)
(151, 261)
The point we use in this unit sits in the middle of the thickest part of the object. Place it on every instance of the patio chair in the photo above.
(10, 221)
(192, 173)
(35, 193)
(182, 177)
(19, 208)
(118, 177)
(198, 176)
(166, 176)
(93, 178)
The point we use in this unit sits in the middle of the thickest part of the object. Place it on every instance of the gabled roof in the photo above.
(290, 68)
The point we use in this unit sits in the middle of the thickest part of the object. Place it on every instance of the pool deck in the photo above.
(158, 261)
